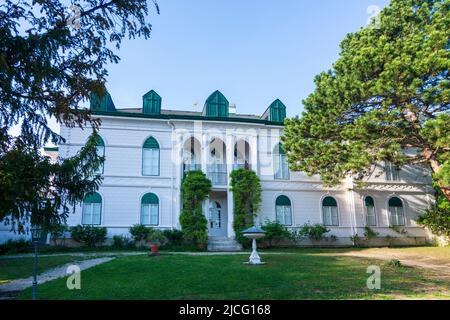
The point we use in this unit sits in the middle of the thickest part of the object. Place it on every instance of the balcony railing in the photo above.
(191, 167)
(217, 173)
(237, 166)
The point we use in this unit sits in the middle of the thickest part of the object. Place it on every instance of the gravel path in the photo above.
(8, 290)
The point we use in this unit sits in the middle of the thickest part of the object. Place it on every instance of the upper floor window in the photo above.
(150, 157)
(369, 205)
(150, 209)
(100, 153)
(396, 212)
(330, 212)
(92, 209)
(280, 163)
(283, 210)
(391, 171)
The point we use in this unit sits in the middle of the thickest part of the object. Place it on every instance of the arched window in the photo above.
(330, 212)
(150, 157)
(369, 205)
(100, 153)
(150, 209)
(216, 105)
(280, 163)
(396, 212)
(283, 210)
(92, 209)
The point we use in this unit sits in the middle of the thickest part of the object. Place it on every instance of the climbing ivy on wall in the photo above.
(195, 188)
(246, 188)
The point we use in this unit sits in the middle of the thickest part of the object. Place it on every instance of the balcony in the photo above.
(237, 166)
(217, 173)
(191, 167)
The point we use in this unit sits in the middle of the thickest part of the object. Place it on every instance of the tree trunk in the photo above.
(435, 166)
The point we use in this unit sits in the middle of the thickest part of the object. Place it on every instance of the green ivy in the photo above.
(195, 188)
(246, 188)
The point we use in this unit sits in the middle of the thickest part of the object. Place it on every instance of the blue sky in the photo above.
(253, 51)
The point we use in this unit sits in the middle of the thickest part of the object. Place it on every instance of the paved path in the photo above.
(406, 258)
(8, 290)
(77, 254)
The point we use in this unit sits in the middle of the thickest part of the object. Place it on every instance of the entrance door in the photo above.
(217, 220)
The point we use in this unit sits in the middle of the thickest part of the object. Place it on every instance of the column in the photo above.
(254, 153)
(231, 140)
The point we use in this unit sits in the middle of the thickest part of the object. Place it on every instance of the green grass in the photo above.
(303, 275)
(17, 268)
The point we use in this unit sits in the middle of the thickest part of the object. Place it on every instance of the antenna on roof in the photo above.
(195, 106)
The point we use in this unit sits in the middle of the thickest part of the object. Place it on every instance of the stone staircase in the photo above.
(223, 244)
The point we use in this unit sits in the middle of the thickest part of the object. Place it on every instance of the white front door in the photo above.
(217, 222)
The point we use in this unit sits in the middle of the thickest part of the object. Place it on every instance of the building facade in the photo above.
(149, 149)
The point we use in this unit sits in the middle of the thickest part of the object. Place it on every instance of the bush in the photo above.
(174, 237)
(195, 188)
(118, 242)
(88, 235)
(275, 232)
(156, 237)
(394, 263)
(57, 232)
(315, 232)
(15, 246)
(139, 232)
(369, 233)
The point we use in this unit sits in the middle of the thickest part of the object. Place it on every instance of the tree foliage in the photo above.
(389, 90)
(51, 62)
(195, 188)
(246, 188)
(34, 188)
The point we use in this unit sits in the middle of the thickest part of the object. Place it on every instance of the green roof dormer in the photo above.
(276, 112)
(104, 103)
(216, 105)
(151, 103)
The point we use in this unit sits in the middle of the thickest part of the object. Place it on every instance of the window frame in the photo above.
(143, 158)
(322, 207)
(389, 211)
(366, 211)
(91, 205)
(142, 204)
(277, 158)
(291, 211)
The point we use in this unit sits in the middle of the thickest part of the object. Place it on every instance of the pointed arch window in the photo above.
(150, 210)
(330, 212)
(283, 210)
(150, 157)
(369, 205)
(101, 153)
(280, 163)
(92, 209)
(396, 212)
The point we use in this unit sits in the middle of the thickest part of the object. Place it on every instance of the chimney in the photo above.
(232, 108)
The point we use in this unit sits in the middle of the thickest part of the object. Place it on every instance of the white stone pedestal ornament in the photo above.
(254, 233)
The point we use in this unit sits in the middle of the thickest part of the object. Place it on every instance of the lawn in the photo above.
(302, 275)
(16, 268)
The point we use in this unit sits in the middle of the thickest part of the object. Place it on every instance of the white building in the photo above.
(148, 149)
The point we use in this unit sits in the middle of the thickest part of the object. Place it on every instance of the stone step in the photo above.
(223, 244)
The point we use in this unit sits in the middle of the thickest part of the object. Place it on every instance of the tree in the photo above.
(246, 188)
(195, 188)
(389, 91)
(34, 188)
(51, 62)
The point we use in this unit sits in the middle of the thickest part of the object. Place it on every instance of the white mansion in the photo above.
(148, 149)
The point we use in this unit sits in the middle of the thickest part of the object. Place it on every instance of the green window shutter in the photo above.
(104, 103)
(151, 103)
(277, 112)
(369, 202)
(329, 202)
(395, 202)
(93, 198)
(283, 201)
(150, 198)
(216, 105)
(151, 143)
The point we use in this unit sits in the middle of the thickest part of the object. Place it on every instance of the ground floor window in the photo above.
(370, 212)
(150, 209)
(396, 212)
(283, 211)
(92, 209)
(330, 212)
